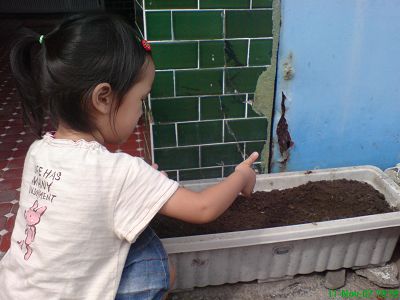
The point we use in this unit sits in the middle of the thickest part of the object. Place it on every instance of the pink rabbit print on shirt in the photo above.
(32, 217)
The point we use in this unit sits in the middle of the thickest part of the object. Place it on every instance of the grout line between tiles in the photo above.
(199, 156)
(223, 131)
(223, 81)
(224, 24)
(193, 96)
(248, 52)
(176, 135)
(138, 27)
(173, 72)
(211, 120)
(172, 27)
(145, 20)
(208, 9)
(212, 144)
(206, 40)
(143, 1)
(198, 54)
(246, 105)
(152, 143)
(213, 68)
(210, 167)
(199, 108)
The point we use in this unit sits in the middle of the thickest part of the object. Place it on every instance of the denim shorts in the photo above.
(146, 271)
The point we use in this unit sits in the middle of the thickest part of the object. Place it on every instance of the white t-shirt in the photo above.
(80, 208)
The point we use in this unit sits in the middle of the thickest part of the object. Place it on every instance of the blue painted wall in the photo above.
(343, 104)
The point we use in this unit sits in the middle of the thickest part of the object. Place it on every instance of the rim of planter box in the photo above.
(291, 232)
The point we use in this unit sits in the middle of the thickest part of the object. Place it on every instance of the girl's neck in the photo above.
(70, 134)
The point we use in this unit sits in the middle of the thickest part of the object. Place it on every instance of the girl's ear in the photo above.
(102, 98)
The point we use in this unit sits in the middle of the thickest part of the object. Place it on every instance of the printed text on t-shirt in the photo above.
(42, 181)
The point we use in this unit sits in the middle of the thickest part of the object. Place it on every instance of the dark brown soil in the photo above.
(311, 202)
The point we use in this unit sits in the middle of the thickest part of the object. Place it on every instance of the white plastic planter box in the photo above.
(281, 252)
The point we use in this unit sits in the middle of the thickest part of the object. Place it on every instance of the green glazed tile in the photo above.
(163, 85)
(250, 112)
(198, 82)
(170, 4)
(222, 107)
(246, 130)
(177, 158)
(260, 52)
(164, 135)
(210, 108)
(200, 173)
(174, 55)
(255, 146)
(175, 110)
(236, 52)
(212, 54)
(197, 25)
(229, 170)
(200, 133)
(262, 3)
(225, 4)
(172, 175)
(229, 154)
(158, 25)
(233, 106)
(248, 23)
(242, 80)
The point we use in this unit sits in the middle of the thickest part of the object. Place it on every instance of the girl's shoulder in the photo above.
(90, 153)
(49, 139)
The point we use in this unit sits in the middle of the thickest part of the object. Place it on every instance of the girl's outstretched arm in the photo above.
(209, 204)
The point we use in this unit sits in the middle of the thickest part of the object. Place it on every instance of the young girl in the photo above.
(81, 231)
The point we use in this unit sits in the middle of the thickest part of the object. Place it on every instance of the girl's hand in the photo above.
(155, 166)
(207, 205)
(250, 176)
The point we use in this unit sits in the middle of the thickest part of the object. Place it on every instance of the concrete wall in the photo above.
(339, 69)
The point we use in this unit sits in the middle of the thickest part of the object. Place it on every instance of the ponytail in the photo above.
(57, 74)
(24, 59)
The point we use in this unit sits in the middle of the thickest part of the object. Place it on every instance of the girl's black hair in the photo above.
(58, 75)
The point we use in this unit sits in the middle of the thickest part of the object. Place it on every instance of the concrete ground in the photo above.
(301, 287)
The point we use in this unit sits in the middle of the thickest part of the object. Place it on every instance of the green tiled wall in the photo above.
(212, 54)
(208, 56)
(200, 133)
(170, 4)
(242, 80)
(187, 55)
(197, 25)
(248, 23)
(160, 28)
(225, 4)
(199, 82)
